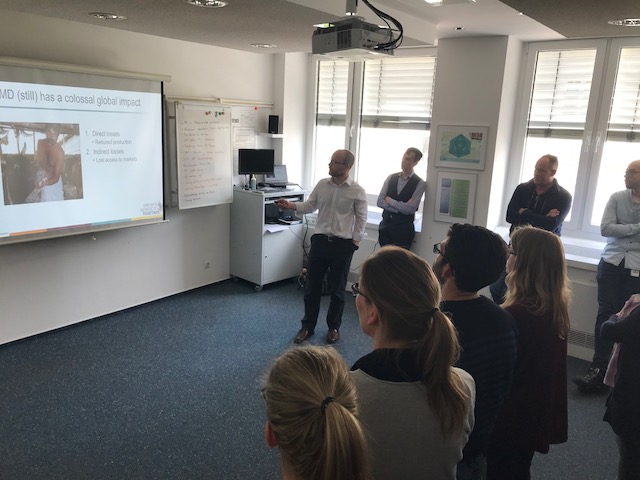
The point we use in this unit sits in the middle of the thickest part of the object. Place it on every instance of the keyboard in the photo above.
(290, 220)
(273, 189)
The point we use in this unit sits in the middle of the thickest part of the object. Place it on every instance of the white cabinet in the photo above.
(264, 253)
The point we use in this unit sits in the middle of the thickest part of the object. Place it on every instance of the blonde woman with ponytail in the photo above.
(312, 417)
(534, 414)
(415, 407)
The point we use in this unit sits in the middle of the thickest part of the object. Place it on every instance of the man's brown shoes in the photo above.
(333, 335)
(302, 335)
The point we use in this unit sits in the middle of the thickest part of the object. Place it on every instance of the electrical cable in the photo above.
(392, 43)
(302, 278)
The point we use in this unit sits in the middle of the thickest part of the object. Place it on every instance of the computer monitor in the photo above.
(255, 161)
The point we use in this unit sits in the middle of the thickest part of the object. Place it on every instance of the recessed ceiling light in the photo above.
(207, 3)
(434, 3)
(457, 29)
(107, 16)
(263, 45)
(626, 22)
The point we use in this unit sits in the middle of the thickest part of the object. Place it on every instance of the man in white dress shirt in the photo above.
(342, 218)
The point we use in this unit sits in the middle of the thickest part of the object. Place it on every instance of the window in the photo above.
(331, 113)
(396, 114)
(583, 107)
(621, 145)
(377, 109)
(558, 111)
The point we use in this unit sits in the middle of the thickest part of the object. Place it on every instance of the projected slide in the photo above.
(75, 158)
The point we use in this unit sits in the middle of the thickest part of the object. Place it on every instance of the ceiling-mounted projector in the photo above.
(351, 39)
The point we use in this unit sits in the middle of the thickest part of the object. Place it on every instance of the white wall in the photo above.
(470, 77)
(504, 133)
(291, 86)
(53, 283)
(296, 85)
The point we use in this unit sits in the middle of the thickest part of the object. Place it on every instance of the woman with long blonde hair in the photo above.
(534, 415)
(312, 417)
(416, 408)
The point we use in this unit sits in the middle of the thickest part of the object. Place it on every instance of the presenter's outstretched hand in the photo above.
(282, 203)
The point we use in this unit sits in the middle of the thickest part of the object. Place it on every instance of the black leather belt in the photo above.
(333, 238)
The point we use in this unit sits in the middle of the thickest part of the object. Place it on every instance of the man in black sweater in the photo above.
(469, 259)
(541, 202)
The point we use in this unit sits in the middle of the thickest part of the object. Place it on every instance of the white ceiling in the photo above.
(289, 24)
(581, 18)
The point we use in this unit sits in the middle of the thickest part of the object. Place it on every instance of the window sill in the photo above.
(580, 253)
(374, 217)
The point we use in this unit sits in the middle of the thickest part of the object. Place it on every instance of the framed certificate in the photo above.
(455, 197)
(461, 147)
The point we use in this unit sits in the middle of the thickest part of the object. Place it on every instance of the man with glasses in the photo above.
(618, 271)
(399, 199)
(541, 202)
(469, 259)
(342, 218)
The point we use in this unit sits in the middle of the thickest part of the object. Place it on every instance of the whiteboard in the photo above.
(204, 154)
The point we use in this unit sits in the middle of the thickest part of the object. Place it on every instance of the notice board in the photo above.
(204, 154)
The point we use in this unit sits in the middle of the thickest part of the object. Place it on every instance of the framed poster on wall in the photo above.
(461, 147)
(455, 197)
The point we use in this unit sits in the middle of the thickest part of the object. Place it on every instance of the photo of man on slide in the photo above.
(50, 160)
(35, 166)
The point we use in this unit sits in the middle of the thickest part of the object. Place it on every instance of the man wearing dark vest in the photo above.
(399, 199)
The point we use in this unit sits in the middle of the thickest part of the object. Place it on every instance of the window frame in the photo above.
(353, 125)
(595, 127)
(601, 127)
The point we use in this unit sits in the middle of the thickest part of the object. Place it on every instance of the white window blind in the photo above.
(397, 92)
(388, 104)
(624, 118)
(333, 78)
(561, 89)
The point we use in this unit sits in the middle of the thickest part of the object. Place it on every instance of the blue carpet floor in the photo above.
(170, 390)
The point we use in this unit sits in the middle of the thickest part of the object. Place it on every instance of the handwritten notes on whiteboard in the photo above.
(204, 155)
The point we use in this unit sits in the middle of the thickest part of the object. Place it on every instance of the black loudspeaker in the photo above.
(273, 123)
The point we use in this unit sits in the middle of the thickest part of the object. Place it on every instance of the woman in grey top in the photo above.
(415, 407)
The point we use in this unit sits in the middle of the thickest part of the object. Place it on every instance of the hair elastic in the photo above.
(326, 402)
(433, 311)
